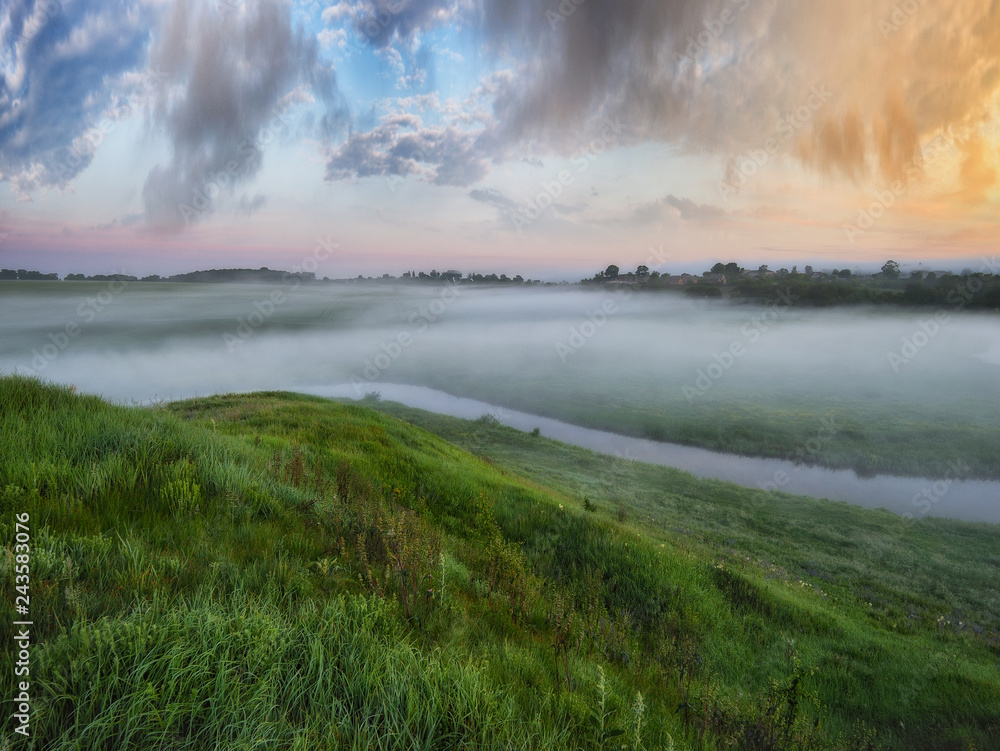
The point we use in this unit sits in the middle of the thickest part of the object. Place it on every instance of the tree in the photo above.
(845, 274)
(809, 270)
(719, 268)
(890, 270)
(732, 268)
(611, 272)
(642, 272)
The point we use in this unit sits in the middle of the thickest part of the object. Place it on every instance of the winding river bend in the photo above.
(970, 500)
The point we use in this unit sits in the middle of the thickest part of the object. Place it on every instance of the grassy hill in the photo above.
(281, 571)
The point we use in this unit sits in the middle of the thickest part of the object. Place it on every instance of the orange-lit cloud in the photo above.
(978, 173)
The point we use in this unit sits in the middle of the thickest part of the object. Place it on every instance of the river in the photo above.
(970, 500)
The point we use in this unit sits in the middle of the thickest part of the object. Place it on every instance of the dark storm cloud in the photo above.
(719, 77)
(229, 80)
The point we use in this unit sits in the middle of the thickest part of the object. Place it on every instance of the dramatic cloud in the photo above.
(401, 145)
(228, 82)
(62, 69)
(382, 22)
(723, 77)
(719, 75)
(803, 112)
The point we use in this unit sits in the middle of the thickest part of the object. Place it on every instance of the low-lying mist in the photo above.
(728, 376)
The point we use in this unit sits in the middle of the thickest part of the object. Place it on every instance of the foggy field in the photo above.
(907, 391)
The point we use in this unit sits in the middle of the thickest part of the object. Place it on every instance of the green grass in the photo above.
(902, 433)
(281, 571)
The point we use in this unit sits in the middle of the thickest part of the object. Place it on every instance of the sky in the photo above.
(548, 138)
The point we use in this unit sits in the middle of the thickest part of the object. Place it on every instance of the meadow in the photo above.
(284, 571)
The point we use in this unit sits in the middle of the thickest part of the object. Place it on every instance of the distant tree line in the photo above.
(262, 274)
(809, 287)
(10, 275)
(209, 276)
(959, 291)
(837, 287)
(101, 278)
(266, 275)
(454, 276)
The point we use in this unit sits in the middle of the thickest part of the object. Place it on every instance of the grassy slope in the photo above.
(239, 570)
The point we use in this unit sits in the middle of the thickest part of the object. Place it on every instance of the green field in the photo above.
(280, 571)
(883, 432)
